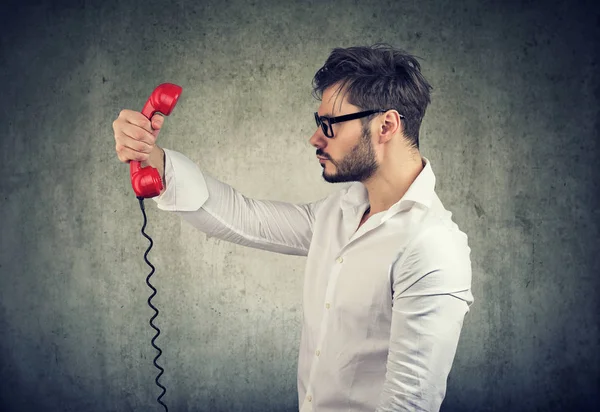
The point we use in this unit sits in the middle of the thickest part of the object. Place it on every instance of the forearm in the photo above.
(220, 211)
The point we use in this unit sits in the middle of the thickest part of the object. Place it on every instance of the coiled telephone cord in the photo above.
(164, 390)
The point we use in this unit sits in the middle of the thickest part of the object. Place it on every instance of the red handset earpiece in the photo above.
(146, 181)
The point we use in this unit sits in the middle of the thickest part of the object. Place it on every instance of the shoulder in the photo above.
(438, 236)
(437, 260)
(441, 242)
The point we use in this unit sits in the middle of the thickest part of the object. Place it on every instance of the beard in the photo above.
(357, 166)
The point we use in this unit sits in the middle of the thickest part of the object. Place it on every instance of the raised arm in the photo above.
(221, 211)
(208, 204)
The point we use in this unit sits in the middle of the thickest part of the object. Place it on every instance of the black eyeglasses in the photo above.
(325, 122)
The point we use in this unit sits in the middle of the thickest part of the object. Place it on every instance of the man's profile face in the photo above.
(350, 155)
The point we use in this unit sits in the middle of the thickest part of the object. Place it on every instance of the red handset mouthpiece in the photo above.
(146, 182)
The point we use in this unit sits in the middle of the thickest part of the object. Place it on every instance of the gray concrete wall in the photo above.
(512, 134)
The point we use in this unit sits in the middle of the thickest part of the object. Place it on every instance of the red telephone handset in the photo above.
(146, 181)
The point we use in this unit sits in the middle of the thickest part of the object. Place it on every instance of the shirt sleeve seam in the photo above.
(410, 247)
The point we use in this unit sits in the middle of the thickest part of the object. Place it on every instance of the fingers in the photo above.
(136, 118)
(131, 149)
(137, 133)
(134, 137)
(125, 154)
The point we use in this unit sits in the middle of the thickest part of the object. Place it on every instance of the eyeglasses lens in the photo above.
(324, 124)
(326, 127)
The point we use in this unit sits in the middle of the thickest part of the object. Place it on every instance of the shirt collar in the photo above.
(420, 191)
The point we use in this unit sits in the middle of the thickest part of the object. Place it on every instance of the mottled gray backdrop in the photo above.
(512, 134)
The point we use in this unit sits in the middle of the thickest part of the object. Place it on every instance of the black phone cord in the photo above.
(164, 390)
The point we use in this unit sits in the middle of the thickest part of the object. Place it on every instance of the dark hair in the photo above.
(378, 77)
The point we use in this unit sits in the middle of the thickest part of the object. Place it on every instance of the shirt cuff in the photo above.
(186, 188)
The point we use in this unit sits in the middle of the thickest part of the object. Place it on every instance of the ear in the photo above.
(390, 125)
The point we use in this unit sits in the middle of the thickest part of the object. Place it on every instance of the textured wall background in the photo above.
(512, 134)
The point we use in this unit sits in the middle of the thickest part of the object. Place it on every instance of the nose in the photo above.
(318, 139)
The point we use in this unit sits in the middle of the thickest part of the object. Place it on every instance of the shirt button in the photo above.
(309, 398)
(340, 259)
(327, 305)
(318, 352)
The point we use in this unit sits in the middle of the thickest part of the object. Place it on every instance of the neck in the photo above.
(387, 186)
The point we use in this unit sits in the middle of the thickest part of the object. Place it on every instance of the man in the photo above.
(388, 275)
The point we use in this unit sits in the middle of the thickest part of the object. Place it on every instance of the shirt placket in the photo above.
(328, 306)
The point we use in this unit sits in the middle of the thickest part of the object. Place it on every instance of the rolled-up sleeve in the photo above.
(431, 296)
(221, 211)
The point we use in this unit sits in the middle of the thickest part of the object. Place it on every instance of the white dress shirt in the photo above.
(383, 305)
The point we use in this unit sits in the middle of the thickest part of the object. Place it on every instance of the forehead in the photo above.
(334, 102)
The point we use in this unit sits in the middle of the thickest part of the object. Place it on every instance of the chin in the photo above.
(329, 178)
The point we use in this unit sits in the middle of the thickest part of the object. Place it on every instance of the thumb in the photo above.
(157, 122)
